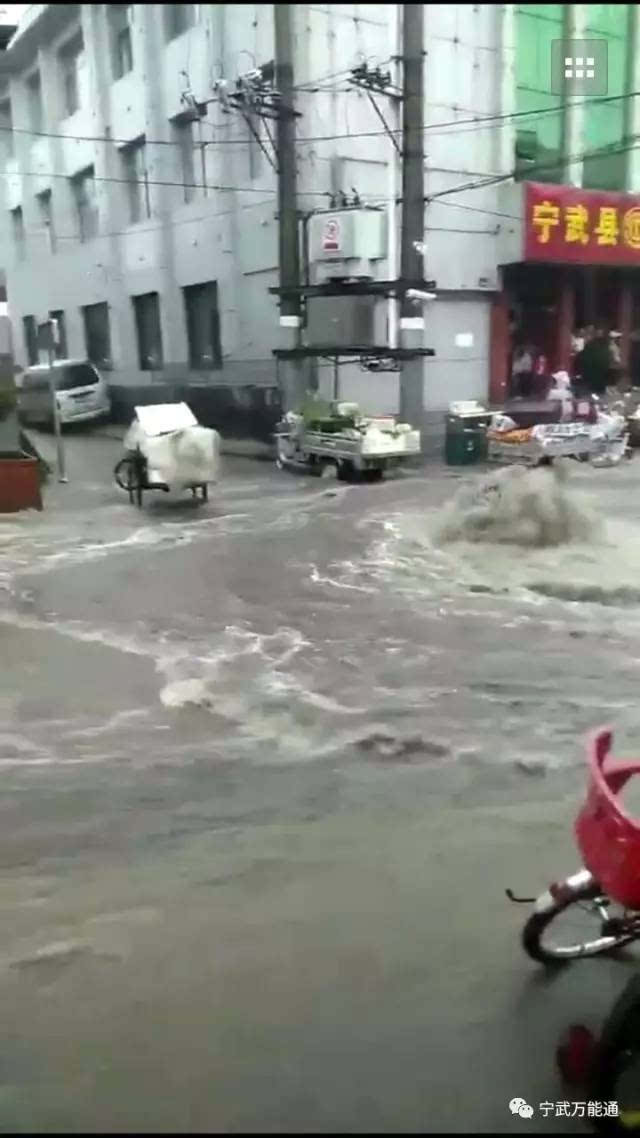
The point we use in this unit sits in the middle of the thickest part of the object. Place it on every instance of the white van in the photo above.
(81, 393)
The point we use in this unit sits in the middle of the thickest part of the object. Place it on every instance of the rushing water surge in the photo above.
(519, 506)
(378, 624)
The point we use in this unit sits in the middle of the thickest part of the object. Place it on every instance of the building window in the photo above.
(83, 188)
(70, 61)
(17, 226)
(183, 136)
(34, 102)
(147, 314)
(45, 214)
(120, 33)
(203, 326)
(178, 18)
(96, 334)
(134, 171)
(6, 127)
(61, 338)
(30, 339)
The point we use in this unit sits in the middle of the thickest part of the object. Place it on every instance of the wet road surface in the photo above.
(268, 765)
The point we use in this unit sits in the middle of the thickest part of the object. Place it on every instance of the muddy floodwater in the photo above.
(268, 764)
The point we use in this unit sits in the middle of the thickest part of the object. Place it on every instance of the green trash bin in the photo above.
(466, 438)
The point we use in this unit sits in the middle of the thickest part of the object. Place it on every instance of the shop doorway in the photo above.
(553, 309)
(534, 297)
(597, 297)
(634, 331)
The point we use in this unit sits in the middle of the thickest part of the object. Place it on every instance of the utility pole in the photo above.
(412, 241)
(293, 382)
(392, 216)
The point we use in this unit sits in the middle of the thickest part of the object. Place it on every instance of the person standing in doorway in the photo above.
(594, 361)
(541, 381)
(615, 359)
(577, 341)
(521, 371)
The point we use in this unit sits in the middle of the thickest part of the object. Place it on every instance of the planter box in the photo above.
(19, 484)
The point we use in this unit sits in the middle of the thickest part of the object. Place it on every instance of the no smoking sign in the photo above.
(331, 236)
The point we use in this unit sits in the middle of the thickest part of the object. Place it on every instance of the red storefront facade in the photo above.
(579, 265)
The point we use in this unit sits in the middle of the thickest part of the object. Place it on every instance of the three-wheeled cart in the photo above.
(166, 448)
(365, 451)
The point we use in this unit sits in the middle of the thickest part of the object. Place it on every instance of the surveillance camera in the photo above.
(417, 294)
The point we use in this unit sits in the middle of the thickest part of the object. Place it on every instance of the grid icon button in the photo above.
(579, 67)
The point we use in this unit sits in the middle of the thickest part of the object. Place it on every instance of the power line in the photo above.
(161, 182)
(337, 74)
(475, 123)
(303, 88)
(481, 209)
(496, 179)
(479, 122)
(213, 217)
(142, 229)
(489, 180)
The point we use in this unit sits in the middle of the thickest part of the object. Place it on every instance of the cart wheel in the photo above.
(329, 470)
(126, 476)
(347, 471)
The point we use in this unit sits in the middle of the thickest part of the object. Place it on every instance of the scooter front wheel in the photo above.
(570, 922)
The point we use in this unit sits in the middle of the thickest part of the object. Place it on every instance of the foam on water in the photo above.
(243, 679)
(248, 685)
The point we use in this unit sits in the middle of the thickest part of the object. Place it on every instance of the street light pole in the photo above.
(51, 326)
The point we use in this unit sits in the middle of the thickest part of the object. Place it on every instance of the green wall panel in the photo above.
(539, 137)
(537, 25)
(604, 122)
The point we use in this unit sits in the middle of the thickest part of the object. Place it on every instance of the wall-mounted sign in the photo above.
(588, 227)
(331, 235)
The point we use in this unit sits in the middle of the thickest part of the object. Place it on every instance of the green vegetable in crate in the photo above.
(325, 416)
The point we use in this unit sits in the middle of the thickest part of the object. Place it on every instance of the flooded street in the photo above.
(268, 765)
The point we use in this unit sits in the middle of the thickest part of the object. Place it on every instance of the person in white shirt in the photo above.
(521, 370)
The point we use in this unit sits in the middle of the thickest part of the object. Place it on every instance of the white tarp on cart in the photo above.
(179, 452)
(162, 418)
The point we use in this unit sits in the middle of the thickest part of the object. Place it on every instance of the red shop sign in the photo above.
(586, 227)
